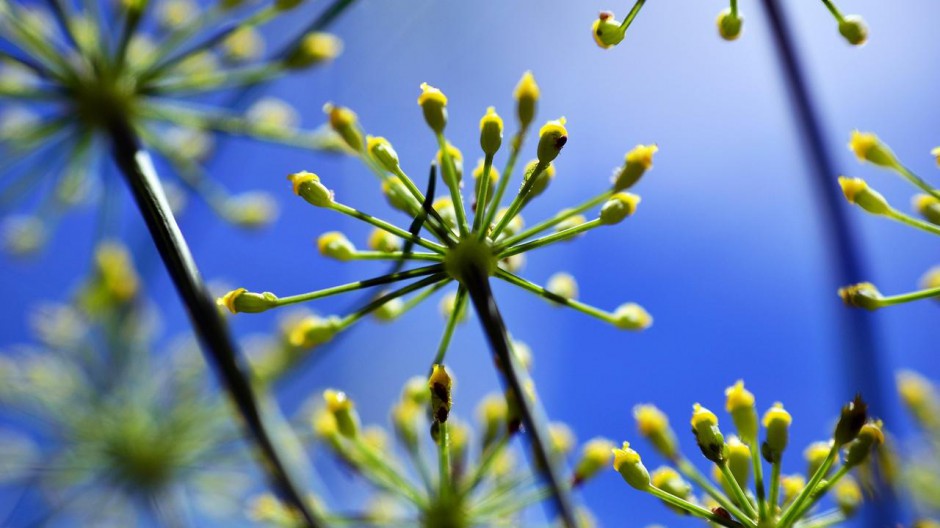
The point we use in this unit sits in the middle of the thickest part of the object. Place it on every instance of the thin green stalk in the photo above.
(358, 285)
(553, 297)
(774, 487)
(189, 84)
(917, 181)
(834, 10)
(790, 514)
(132, 19)
(913, 222)
(443, 459)
(436, 224)
(377, 303)
(693, 509)
(503, 252)
(516, 205)
(452, 320)
(908, 297)
(421, 465)
(692, 473)
(396, 255)
(824, 520)
(385, 226)
(632, 14)
(557, 219)
(481, 197)
(486, 461)
(377, 462)
(424, 294)
(739, 496)
(759, 481)
(450, 178)
(821, 491)
(734, 8)
(504, 179)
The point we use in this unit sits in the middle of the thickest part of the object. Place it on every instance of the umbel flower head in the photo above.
(869, 149)
(68, 75)
(736, 460)
(609, 32)
(451, 239)
(120, 426)
(428, 467)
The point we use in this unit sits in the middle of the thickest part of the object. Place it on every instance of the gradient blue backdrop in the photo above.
(727, 250)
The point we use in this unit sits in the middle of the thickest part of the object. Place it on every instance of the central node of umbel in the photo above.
(468, 256)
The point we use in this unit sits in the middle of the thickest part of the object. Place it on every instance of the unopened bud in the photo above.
(858, 192)
(433, 103)
(552, 137)
(631, 316)
(335, 245)
(618, 207)
(729, 25)
(853, 28)
(861, 295)
(307, 185)
(244, 301)
(606, 30)
(627, 462)
(527, 97)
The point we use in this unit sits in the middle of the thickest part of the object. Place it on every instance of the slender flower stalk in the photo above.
(728, 501)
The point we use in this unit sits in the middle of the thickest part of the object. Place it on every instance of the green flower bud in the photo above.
(869, 437)
(448, 303)
(867, 147)
(653, 425)
(527, 97)
(335, 245)
(415, 390)
(491, 181)
(707, 434)
(668, 480)
(627, 462)
(251, 210)
(777, 423)
(853, 416)
(345, 123)
(848, 496)
(433, 103)
(858, 192)
(491, 132)
(853, 28)
(343, 411)
(382, 240)
(397, 194)
(390, 310)
(312, 331)
(861, 295)
(635, 164)
(456, 158)
(738, 457)
(307, 185)
(542, 180)
(315, 48)
(244, 301)
(729, 25)
(560, 439)
(440, 384)
(815, 455)
(618, 207)
(382, 152)
(552, 137)
(445, 209)
(596, 454)
(928, 207)
(631, 316)
(740, 405)
(606, 30)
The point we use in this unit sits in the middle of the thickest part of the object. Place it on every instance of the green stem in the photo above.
(631, 15)
(385, 226)
(557, 219)
(790, 514)
(503, 252)
(917, 181)
(739, 496)
(693, 509)
(486, 461)
(913, 222)
(421, 465)
(193, 84)
(824, 520)
(553, 297)
(452, 320)
(692, 473)
(435, 223)
(358, 285)
(822, 490)
(443, 459)
(450, 178)
(396, 255)
(759, 480)
(378, 463)
(734, 8)
(834, 10)
(774, 487)
(504, 179)
(377, 303)
(484, 184)
(908, 297)
(519, 200)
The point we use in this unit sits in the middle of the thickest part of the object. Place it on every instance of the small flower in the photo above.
(729, 24)
(636, 163)
(853, 28)
(858, 192)
(491, 132)
(527, 97)
(607, 30)
(433, 103)
(627, 462)
(739, 404)
(777, 423)
(867, 147)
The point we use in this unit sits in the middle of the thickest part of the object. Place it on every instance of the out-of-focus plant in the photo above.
(921, 460)
(456, 482)
(467, 243)
(728, 501)
(68, 74)
(608, 31)
(870, 149)
(108, 426)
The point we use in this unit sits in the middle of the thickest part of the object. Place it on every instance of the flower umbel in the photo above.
(736, 458)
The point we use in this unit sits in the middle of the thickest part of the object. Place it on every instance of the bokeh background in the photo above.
(729, 251)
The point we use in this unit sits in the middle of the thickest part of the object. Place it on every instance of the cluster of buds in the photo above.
(736, 459)
(69, 83)
(439, 471)
(920, 460)
(451, 240)
(608, 31)
(869, 149)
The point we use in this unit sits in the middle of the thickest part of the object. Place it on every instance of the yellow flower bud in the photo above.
(563, 284)
(307, 185)
(654, 426)
(552, 137)
(382, 152)
(514, 226)
(542, 180)
(523, 354)
(738, 456)
(433, 103)
(729, 25)
(869, 437)
(527, 97)
(853, 28)
(345, 123)
(397, 194)
(389, 310)
(376, 438)
(335, 245)
(315, 48)
(596, 454)
(867, 147)
(491, 132)
(707, 434)
(243, 301)
(440, 384)
(618, 207)
(243, 44)
(456, 157)
(286, 5)
(861, 295)
(606, 30)
(571, 221)
(115, 269)
(919, 396)
(740, 405)
(627, 462)
(848, 495)
(631, 316)
(561, 439)
(415, 390)
(23, 235)
(931, 279)
(382, 240)
(858, 192)
(310, 331)
(791, 485)
(928, 207)
(668, 480)
(343, 411)
(251, 209)
(173, 14)
(635, 164)
(777, 423)
(815, 454)
(324, 425)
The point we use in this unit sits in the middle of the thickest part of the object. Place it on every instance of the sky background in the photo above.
(727, 251)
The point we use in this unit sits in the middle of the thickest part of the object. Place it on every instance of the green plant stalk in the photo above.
(503, 180)
(557, 219)
(519, 201)
(791, 514)
(693, 509)
(759, 482)
(908, 297)
(481, 197)
(452, 320)
(917, 181)
(739, 496)
(692, 473)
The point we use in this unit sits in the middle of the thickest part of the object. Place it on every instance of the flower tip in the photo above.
(861, 295)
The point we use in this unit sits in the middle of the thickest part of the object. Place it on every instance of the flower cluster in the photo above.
(439, 471)
(736, 459)
(117, 426)
(491, 243)
(868, 148)
(70, 79)
(608, 31)
(920, 474)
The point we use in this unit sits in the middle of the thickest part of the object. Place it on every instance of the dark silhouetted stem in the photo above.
(478, 286)
(859, 364)
(209, 326)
